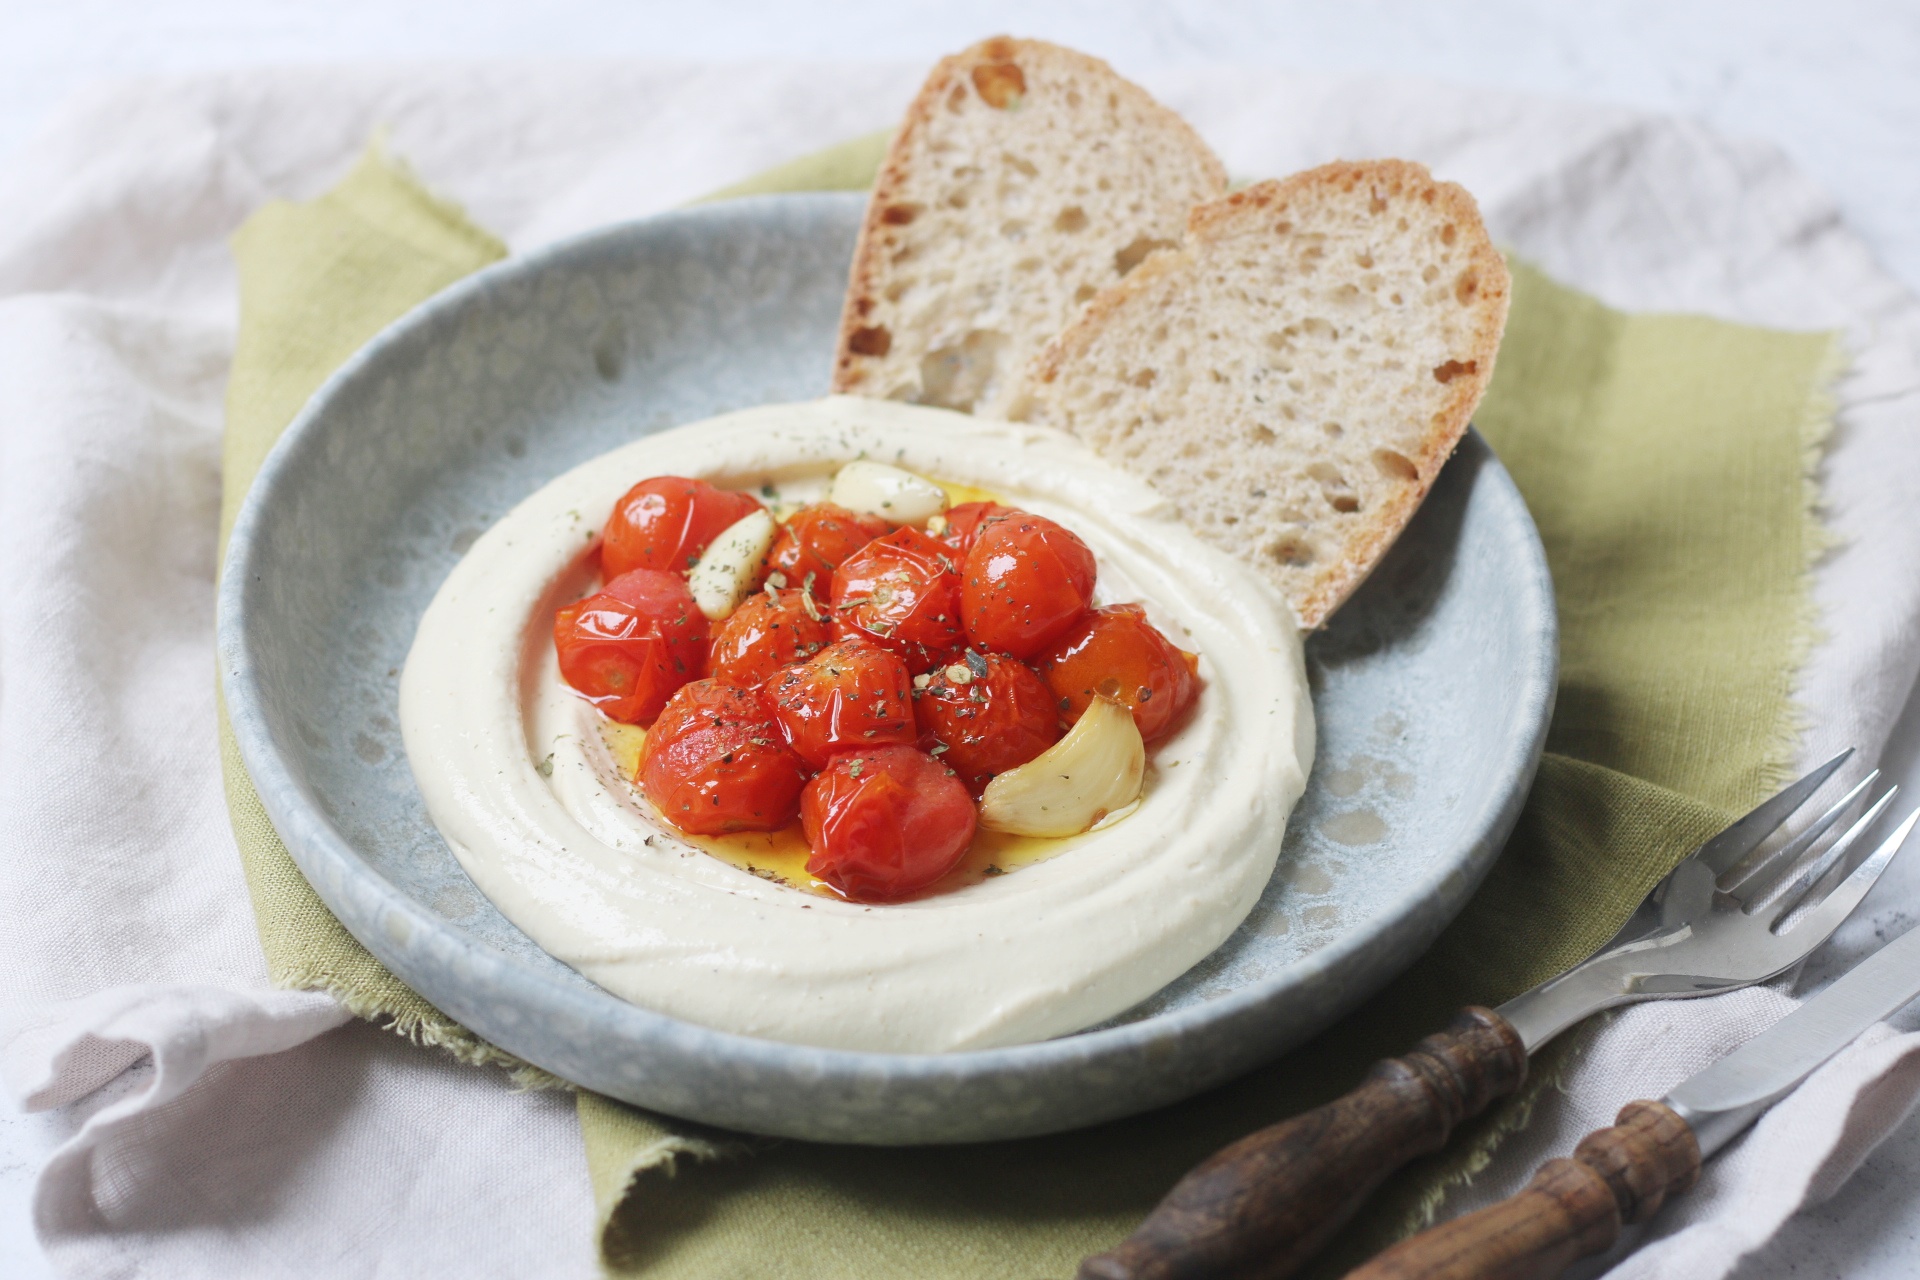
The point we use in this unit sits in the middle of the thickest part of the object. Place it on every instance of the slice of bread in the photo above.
(1296, 373)
(1024, 179)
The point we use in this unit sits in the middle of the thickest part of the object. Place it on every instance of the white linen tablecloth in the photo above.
(211, 1125)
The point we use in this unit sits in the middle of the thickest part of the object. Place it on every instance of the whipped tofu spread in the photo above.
(524, 787)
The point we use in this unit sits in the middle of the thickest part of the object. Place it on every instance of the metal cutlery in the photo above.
(1262, 1206)
(1576, 1206)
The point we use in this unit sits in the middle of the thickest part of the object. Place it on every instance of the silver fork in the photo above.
(1719, 920)
(1713, 923)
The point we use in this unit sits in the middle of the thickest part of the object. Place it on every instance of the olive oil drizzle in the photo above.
(781, 856)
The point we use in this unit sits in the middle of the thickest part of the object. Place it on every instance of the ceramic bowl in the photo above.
(1432, 689)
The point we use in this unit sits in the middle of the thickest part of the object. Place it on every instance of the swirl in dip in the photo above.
(521, 781)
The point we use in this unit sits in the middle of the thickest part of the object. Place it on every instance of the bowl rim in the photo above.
(329, 861)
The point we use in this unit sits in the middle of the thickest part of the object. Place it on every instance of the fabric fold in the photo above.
(183, 1032)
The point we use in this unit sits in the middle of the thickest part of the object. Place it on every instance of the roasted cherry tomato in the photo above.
(1026, 581)
(991, 714)
(630, 645)
(666, 522)
(902, 592)
(848, 696)
(1117, 653)
(770, 630)
(815, 541)
(964, 521)
(886, 823)
(715, 762)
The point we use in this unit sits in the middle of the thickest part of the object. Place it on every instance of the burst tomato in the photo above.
(1116, 653)
(997, 715)
(715, 762)
(847, 697)
(886, 823)
(964, 521)
(630, 645)
(666, 522)
(770, 630)
(901, 592)
(815, 541)
(1025, 582)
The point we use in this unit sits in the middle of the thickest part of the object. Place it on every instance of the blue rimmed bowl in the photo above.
(1432, 689)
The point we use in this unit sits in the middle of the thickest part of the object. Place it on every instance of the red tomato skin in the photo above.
(627, 647)
(991, 724)
(1025, 582)
(816, 540)
(964, 521)
(1117, 653)
(885, 824)
(715, 762)
(848, 697)
(902, 593)
(769, 630)
(666, 522)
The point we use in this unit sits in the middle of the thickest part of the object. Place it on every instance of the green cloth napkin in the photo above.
(1668, 461)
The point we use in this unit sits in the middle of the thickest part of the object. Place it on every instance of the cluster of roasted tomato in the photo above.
(872, 684)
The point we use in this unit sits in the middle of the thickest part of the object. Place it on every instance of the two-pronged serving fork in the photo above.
(1263, 1205)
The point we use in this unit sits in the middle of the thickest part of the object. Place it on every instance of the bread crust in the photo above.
(859, 342)
(1465, 375)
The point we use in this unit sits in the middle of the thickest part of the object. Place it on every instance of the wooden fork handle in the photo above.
(1571, 1208)
(1262, 1206)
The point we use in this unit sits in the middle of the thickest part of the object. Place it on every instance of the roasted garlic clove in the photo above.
(1097, 769)
(876, 489)
(724, 575)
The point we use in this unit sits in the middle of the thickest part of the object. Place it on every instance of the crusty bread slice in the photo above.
(1296, 373)
(1024, 179)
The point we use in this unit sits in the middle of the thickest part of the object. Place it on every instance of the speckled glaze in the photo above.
(1432, 690)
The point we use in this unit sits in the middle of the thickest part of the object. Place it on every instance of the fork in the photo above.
(1718, 921)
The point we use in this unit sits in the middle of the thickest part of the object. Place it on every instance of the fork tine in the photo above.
(1756, 877)
(1746, 835)
(1829, 868)
(1815, 927)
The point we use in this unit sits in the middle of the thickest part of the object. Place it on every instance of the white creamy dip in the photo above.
(523, 788)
